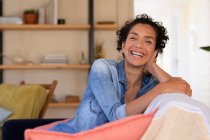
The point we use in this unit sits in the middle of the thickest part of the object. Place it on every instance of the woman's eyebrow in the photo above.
(150, 37)
(134, 33)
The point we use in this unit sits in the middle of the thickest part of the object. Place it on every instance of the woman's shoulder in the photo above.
(105, 62)
(104, 66)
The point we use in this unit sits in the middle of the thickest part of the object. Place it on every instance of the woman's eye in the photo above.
(149, 42)
(132, 38)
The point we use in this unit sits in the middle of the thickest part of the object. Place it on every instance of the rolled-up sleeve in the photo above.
(102, 86)
(120, 111)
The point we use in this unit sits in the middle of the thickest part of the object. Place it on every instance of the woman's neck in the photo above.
(134, 75)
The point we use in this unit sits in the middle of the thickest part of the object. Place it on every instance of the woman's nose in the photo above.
(139, 44)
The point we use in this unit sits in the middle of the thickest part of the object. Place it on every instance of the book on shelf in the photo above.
(41, 19)
(51, 12)
(11, 20)
(55, 59)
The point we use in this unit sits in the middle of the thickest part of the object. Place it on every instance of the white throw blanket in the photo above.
(179, 117)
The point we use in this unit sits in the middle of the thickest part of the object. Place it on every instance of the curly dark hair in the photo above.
(161, 31)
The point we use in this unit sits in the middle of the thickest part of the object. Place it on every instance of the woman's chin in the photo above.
(136, 64)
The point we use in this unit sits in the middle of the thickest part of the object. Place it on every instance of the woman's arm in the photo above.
(156, 71)
(168, 84)
(173, 85)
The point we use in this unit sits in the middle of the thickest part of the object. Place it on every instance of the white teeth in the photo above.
(137, 53)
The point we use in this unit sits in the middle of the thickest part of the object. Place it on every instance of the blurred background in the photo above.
(188, 25)
(187, 22)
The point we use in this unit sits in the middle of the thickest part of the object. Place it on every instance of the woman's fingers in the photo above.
(177, 84)
(185, 87)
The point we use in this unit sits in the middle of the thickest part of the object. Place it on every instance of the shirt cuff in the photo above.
(120, 112)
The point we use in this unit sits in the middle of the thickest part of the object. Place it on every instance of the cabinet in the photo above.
(29, 31)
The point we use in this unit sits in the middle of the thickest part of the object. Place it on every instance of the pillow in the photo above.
(25, 101)
(130, 128)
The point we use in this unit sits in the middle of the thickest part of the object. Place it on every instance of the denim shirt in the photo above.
(103, 100)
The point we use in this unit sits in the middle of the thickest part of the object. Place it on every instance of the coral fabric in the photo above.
(130, 128)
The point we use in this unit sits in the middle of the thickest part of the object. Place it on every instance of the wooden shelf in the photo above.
(44, 66)
(106, 26)
(44, 27)
(63, 104)
(57, 27)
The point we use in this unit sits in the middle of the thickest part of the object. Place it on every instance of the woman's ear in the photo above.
(122, 50)
(156, 53)
(123, 47)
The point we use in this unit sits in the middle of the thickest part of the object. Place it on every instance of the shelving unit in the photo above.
(58, 27)
(44, 27)
(1, 42)
(35, 27)
(44, 66)
(106, 26)
(90, 27)
(47, 27)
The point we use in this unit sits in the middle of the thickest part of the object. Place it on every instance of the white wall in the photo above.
(187, 22)
(199, 32)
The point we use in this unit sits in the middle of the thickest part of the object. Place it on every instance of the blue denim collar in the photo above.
(121, 74)
(146, 81)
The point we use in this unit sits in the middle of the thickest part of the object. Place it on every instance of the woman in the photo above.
(119, 89)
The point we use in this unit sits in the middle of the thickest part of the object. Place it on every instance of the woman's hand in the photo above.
(150, 64)
(174, 85)
(152, 68)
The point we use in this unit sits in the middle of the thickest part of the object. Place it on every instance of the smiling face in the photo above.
(139, 46)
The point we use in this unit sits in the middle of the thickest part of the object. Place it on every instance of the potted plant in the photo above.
(206, 48)
(98, 50)
(30, 16)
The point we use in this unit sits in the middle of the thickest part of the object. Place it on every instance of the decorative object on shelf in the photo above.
(72, 99)
(206, 48)
(53, 99)
(83, 60)
(99, 50)
(11, 20)
(61, 21)
(105, 22)
(51, 12)
(55, 59)
(16, 59)
(19, 60)
(41, 12)
(30, 16)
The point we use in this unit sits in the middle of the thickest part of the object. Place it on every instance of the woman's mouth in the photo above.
(138, 54)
